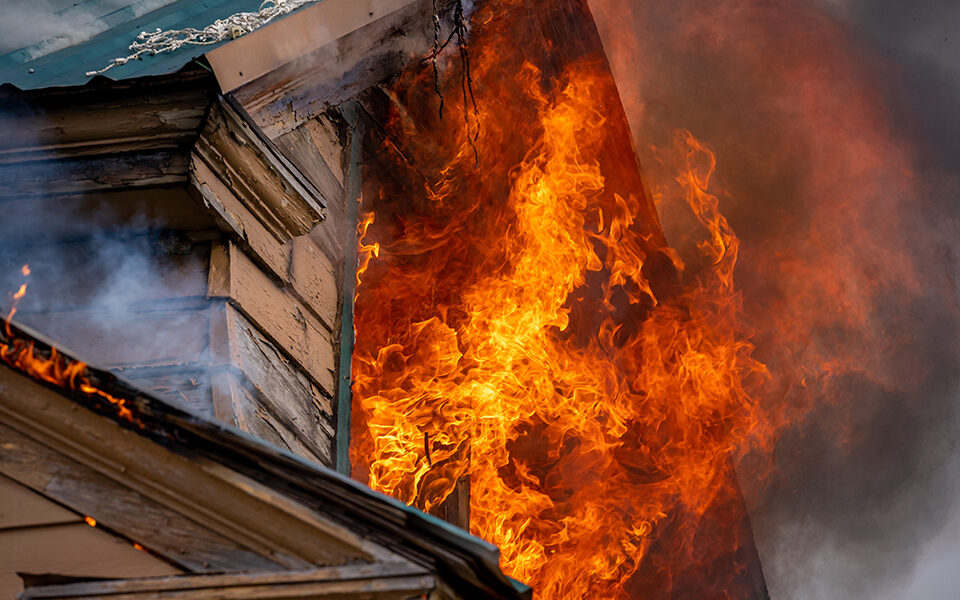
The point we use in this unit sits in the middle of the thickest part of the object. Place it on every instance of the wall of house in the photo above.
(39, 536)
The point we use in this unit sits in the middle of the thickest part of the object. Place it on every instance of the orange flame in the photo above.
(90, 521)
(367, 252)
(525, 327)
(54, 368)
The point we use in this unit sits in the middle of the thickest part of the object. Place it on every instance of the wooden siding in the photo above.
(38, 536)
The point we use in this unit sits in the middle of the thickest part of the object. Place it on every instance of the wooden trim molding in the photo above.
(378, 581)
(257, 174)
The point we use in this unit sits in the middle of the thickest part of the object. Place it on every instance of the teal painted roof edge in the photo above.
(68, 66)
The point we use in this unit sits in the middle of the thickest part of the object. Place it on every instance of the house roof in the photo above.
(470, 564)
(103, 31)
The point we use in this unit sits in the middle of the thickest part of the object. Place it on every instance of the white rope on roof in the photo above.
(156, 42)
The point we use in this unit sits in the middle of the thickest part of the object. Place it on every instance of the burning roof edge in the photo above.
(469, 561)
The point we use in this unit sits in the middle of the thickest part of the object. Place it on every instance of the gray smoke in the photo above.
(112, 285)
(838, 144)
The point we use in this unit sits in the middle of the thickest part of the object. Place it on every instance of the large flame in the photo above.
(525, 325)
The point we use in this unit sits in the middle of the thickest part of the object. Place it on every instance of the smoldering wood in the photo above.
(245, 512)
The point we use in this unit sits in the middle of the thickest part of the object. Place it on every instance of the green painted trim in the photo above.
(352, 198)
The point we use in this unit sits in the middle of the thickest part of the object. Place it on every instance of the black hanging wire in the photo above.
(466, 78)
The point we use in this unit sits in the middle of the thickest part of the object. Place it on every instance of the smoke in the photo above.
(112, 285)
(838, 146)
(42, 27)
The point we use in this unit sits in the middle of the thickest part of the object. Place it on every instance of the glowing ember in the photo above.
(526, 326)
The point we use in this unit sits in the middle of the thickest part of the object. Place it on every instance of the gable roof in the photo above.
(322, 515)
(117, 27)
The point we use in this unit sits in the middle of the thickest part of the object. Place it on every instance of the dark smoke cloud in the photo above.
(838, 144)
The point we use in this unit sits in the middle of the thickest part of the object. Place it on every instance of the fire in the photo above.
(50, 366)
(525, 325)
(90, 521)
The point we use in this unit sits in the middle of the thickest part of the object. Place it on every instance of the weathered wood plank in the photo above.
(187, 385)
(129, 513)
(329, 143)
(22, 507)
(380, 570)
(300, 147)
(108, 275)
(237, 220)
(361, 56)
(276, 313)
(225, 502)
(145, 112)
(31, 219)
(130, 170)
(267, 184)
(314, 281)
(71, 549)
(283, 398)
(114, 339)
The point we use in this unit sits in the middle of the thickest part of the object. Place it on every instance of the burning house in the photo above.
(395, 241)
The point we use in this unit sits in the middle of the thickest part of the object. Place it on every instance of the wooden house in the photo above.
(189, 221)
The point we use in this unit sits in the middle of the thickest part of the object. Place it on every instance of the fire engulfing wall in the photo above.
(523, 328)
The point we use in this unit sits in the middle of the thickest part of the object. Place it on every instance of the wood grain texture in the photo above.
(156, 112)
(313, 280)
(303, 149)
(277, 396)
(277, 313)
(186, 385)
(267, 184)
(237, 220)
(127, 512)
(112, 339)
(169, 208)
(329, 143)
(289, 95)
(219, 499)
